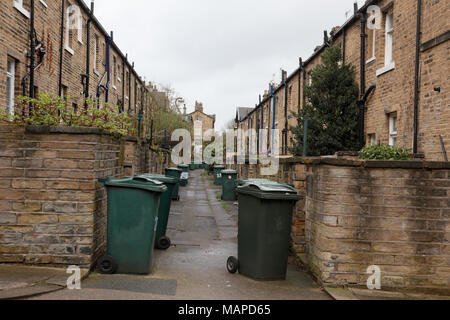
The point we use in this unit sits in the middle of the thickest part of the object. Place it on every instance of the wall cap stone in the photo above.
(388, 164)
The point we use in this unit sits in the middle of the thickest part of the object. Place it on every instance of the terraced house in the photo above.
(400, 50)
(73, 56)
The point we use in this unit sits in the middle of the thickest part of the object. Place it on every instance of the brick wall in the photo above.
(395, 218)
(52, 209)
(361, 213)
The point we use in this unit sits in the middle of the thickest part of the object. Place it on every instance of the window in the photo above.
(372, 42)
(372, 139)
(389, 63)
(18, 4)
(73, 22)
(393, 129)
(63, 92)
(10, 82)
(113, 82)
(389, 38)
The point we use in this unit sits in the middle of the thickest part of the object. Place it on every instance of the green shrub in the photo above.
(50, 110)
(384, 152)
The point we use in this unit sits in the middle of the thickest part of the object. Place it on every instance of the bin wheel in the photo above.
(232, 265)
(107, 265)
(163, 243)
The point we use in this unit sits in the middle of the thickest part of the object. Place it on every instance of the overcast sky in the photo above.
(220, 52)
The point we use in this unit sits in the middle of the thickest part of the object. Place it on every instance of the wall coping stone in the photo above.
(388, 164)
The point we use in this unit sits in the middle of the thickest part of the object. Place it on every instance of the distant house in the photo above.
(208, 121)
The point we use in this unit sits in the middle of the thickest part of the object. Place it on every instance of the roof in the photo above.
(213, 116)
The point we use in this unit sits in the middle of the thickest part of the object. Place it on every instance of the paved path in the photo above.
(204, 233)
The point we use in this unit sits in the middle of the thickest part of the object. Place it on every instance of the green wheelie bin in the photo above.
(184, 174)
(264, 229)
(133, 205)
(218, 174)
(162, 242)
(192, 166)
(229, 185)
(175, 173)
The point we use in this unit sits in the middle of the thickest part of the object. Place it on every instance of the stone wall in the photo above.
(392, 214)
(52, 209)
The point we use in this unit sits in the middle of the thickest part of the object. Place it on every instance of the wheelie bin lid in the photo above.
(138, 183)
(173, 169)
(159, 177)
(229, 172)
(102, 181)
(219, 167)
(183, 166)
(265, 189)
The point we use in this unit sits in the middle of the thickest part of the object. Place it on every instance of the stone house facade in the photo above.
(402, 64)
(63, 68)
(208, 121)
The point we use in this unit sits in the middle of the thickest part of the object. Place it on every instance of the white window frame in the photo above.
(374, 42)
(372, 139)
(18, 4)
(389, 63)
(95, 53)
(12, 77)
(393, 130)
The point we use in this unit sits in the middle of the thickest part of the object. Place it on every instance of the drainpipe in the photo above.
(129, 89)
(361, 102)
(88, 51)
(344, 38)
(61, 47)
(123, 85)
(32, 49)
(274, 101)
(416, 77)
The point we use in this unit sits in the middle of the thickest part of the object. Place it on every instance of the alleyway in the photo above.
(203, 233)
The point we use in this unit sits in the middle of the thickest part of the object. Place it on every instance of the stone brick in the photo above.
(7, 218)
(37, 219)
(60, 164)
(11, 195)
(60, 207)
(86, 155)
(75, 219)
(11, 173)
(27, 206)
(63, 185)
(28, 184)
(42, 173)
(41, 239)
